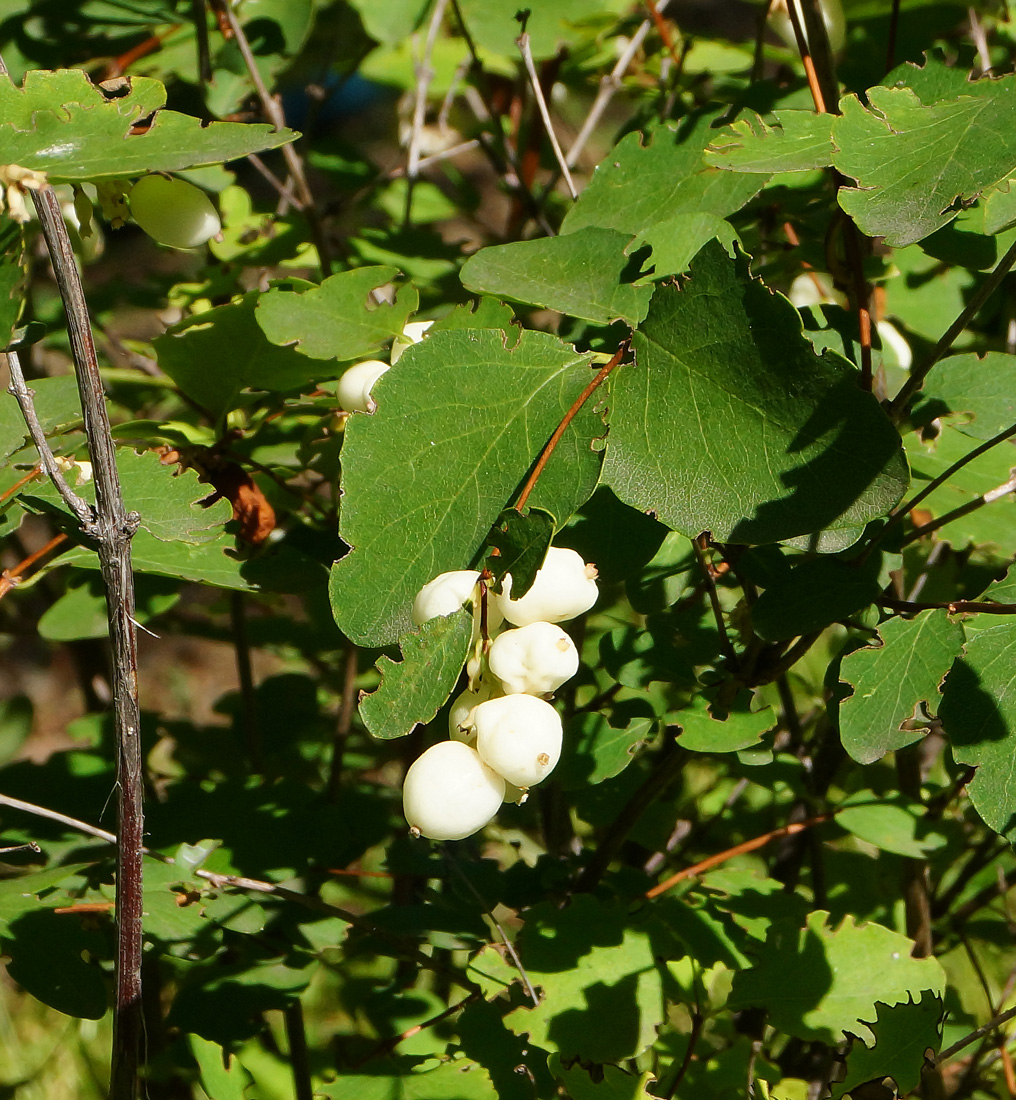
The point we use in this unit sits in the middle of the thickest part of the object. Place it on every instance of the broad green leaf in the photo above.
(813, 594)
(754, 901)
(13, 274)
(21, 894)
(645, 181)
(893, 824)
(390, 21)
(338, 319)
(728, 422)
(704, 730)
(584, 274)
(521, 543)
(890, 681)
(413, 690)
(62, 124)
(612, 1083)
(215, 355)
(675, 241)
(902, 1033)
(484, 1037)
(978, 715)
(916, 164)
(459, 422)
(602, 992)
(81, 611)
(222, 1077)
(1000, 207)
(816, 981)
(456, 1079)
(991, 524)
(483, 312)
(552, 24)
(800, 140)
(600, 744)
(980, 388)
(56, 403)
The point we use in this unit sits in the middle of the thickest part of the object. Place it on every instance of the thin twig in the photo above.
(114, 528)
(991, 1025)
(914, 383)
(559, 431)
(82, 511)
(726, 646)
(527, 57)
(9, 578)
(989, 497)
(954, 607)
(245, 676)
(424, 75)
(388, 1045)
(296, 1038)
(890, 49)
(345, 719)
(55, 815)
(284, 190)
(739, 849)
(272, 108)
(806, 58)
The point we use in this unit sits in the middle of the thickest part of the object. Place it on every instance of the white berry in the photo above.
(412, 334)
(460, 724)
(356, 383)
(444, 595)
(564, 587)
(534, 660)
(450, 793)
(518, 736)
(173, 211)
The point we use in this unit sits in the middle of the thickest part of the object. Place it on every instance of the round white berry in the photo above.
(564, 587)
(444, 595)
(534, 659)
(173, 211)
(518, 736)
(412, 334)
(356, 383)
(450, 793)
(460, 722)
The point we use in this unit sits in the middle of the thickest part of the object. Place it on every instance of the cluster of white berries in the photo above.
(358, 380)
(505, 736)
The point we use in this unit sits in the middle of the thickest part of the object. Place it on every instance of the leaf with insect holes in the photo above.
(521, 542)
(729, 422)
(903, 1034)
(800, 140)
(62, 124)
(891, 680)
(584, 274)
(338, 319)
(459, 422)
(414, 689)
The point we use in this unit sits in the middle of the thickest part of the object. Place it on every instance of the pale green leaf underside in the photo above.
(413, 690)
(978, 715)
(915, 164)
(817, 983)
(338, 319)
(800, 140)
(460, 419)
(62, 124)
(728, 422)
(583, 274)
(892, 679)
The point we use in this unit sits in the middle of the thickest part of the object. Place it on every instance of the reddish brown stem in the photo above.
(568, 417)
(738, 850)
(664, 32)
(984, 607)
(10, 577)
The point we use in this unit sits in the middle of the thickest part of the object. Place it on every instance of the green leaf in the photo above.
(552, 24)
(640, 187)
(456, 1079)
(816, 981)
(600, 744)
(892, 824)
(1000, 207)
(62, 124)
(602, 992)
(521, 542)
(981, 387)
(813, 594)
(81, 611)
(338, 319)
(222, 1077)
(891, 680)
(482, 312)
(56, 403)
(584, 274)
(215, 355)
(728, 422)
(978, 715)
(13, 275)
(703, 730)
(800, 140)
(915, 165)
(612, 1082)
(675, 241)
(413, 690)
(390, 21)
(458, 424)
(902, 1034)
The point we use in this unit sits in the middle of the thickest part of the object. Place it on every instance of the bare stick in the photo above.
(527, 56)
(917, 376)
(273, 112)
(54, 815)
(890, 48)
(982, 607)
(18, 389)
(1002, 1018)
(113, 530)
(990, 497)
(424, 75)
(345, 720)
(284, 190)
